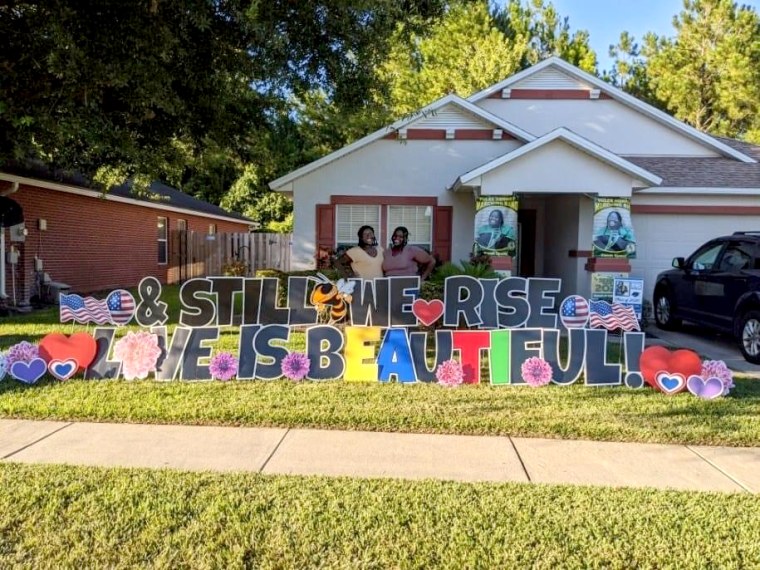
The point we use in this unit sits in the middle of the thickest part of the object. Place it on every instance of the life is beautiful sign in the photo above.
(379, 330)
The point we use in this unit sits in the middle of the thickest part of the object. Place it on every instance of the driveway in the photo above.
(709, 344)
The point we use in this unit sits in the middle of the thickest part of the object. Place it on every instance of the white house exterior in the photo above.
(555, 137)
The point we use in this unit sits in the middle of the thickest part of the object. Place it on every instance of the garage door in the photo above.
(661, 237)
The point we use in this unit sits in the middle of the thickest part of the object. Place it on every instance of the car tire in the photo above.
(663, 311)
(749, 336)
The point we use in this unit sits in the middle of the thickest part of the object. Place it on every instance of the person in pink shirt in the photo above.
(404, 259)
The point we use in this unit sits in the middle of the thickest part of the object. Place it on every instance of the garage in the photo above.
(661, 237)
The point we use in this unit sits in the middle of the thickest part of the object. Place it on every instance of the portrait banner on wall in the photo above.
(496, 225)
(613, 231)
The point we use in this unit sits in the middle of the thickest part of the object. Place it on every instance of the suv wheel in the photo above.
(663, 311)
(749, 337)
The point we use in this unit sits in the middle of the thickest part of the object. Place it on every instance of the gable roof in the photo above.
(574, 140)
(161, 196)
(452, 99)
(556, 63)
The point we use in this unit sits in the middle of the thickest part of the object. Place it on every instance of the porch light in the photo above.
(497, 134)
(594, 93)
(450, 134)
(402, 134)
(506, 93)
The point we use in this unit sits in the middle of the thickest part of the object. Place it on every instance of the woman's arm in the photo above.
(342, 265)
(423, 258)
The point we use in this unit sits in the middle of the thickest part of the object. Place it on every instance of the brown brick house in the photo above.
(93, 241)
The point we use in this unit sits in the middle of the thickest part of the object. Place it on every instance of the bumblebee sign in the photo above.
(372, 330)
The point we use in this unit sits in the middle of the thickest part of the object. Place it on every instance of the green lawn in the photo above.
(67, 517)
(576, 412)
(76, 517)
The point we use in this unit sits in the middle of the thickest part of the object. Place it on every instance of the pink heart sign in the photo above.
(707, 389)
(427, 311)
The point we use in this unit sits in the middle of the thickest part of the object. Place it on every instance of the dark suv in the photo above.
(718, 286)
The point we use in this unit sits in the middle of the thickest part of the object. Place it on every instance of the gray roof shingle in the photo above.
(696, 172)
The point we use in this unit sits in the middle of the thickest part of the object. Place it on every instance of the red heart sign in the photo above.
(659, 359)
(79, 346)
(427, 312)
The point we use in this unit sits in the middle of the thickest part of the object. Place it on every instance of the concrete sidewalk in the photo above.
(395, 455)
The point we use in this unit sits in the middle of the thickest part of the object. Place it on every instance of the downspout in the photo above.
(3, 294)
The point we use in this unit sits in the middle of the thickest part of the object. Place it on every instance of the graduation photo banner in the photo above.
(496, 225)
(613, 234)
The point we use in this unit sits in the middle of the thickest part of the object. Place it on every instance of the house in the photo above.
(91, 241)
(569, 157)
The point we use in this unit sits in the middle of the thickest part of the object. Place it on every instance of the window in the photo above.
(705, 257)
(211, 229)
(163, 252)
(349, 218)
(417, 219)
(737, 256)
(182, 225)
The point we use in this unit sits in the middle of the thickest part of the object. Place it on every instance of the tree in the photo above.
(629, 69)
(461, 53)
(157, 86)
(548, 34)
(709, 74)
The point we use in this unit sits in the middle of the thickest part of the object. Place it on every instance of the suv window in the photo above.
(738, 256)
(704, 258)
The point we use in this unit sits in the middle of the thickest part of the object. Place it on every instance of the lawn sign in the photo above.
(364, 331)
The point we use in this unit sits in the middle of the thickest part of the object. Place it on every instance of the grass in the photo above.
(71, 517)
(575, 412)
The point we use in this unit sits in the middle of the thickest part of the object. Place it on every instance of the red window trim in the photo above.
(677, 209)
(459, 134)
(385, 200)
(548, 94)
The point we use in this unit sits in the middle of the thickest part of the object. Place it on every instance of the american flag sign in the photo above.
(83, 309)
(574, 312)
(121, 306)
(613, 316)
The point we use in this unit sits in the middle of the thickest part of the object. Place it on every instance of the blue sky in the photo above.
(605, 19)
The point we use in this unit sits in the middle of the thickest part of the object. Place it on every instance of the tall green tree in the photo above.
(169, 87)
(548, 33)
(461, 53)
(709, 74)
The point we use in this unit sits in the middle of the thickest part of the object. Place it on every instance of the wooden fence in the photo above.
(195, 254)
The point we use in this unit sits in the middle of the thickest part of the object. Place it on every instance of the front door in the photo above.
(526, 254)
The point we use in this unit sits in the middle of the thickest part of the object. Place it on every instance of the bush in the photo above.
(479, 267)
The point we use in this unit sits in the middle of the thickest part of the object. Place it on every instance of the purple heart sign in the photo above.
(707, 389)
(30, 372)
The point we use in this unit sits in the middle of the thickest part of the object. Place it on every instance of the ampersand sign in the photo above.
(151, 311)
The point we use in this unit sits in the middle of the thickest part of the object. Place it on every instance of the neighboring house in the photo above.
(556, 138)
(93, 241)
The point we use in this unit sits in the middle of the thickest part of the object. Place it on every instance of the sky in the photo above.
(606, 19)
